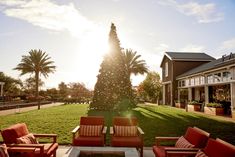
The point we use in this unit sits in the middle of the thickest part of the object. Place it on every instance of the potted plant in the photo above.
(194, 105)
(180, 104)
(214, 109)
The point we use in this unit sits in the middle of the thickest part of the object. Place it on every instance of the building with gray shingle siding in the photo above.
(198, 76)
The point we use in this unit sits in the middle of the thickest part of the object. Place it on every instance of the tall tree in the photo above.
(133, 63)
(12, 86)
(63, 89)
(37, 62)
(113, 82)
(151, 88)
(29, 84)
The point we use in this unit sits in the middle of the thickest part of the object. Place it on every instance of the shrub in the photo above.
(125, 104)
(195, 102)
(215, 105)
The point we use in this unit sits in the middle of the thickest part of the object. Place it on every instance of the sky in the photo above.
(74, 33)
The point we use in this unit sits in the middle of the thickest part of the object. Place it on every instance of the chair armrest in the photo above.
(26, 145)
(21, 149)
(140, 131)
(40, 146)
(54, 136)
(180, 153)
(111, 130)
(160, 139)
(104, 130)
(75, 129)
(181, 149)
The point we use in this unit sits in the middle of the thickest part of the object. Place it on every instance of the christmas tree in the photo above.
(113, 86)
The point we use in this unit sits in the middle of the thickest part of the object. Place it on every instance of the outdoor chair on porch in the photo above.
(18, 136)
(193, 139)
(214, 148)
(126, 133)
(91, 132)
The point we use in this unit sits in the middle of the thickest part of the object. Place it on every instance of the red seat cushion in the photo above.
(217, 148)
(13, 132)
(196, 137)
(126, 141)
(89, 141)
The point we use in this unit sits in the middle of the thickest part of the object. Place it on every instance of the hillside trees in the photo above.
(11, 86)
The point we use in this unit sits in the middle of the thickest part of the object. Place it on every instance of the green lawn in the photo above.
(155, 121)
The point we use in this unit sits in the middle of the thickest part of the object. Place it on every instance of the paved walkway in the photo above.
(25, 109)
(63, 149)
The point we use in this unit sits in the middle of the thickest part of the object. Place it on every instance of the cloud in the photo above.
(204, 13)
(48, 15)
(161, 48)
(192, 48)
(228, 45)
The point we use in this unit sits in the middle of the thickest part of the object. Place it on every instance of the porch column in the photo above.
(232, 87)
(197, 94)
(164, 94)
(190, 97)
(179, 94)
(206, 94)
(2, 84)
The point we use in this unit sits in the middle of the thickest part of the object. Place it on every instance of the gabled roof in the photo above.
(187, 56)
(228, 60)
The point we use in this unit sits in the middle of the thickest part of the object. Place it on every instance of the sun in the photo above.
(91, 50)
(94, 45)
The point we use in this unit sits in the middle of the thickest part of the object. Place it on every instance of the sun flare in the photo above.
(93, 47)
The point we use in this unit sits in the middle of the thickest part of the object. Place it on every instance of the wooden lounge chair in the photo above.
(18, 136)
(193, 139)
(90, 132)
(126, 133)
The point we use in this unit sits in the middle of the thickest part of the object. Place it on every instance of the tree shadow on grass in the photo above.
(166, 121)
(177, 123)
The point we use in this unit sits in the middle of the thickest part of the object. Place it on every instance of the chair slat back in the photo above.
(125, 121)
(219, 148)
(92, 120)
(197, 137)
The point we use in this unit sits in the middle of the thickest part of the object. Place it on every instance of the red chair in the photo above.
(214, 148)
(12, 134)
(193, 139)
(91, 132)
(126, 133)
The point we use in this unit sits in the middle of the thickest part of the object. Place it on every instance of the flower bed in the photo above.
(179, 104)
(194, 106)
(214, 109)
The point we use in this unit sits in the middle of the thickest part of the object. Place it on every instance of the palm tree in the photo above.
(133, 64)
(37, 62)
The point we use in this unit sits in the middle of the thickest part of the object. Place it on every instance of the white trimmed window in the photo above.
(166, 69)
